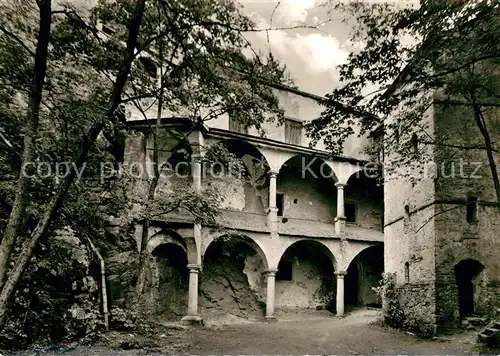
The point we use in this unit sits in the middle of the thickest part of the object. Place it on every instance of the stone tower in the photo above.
(442, 220)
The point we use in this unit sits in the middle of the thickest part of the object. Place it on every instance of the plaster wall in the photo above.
(311, 285)
(307, 198)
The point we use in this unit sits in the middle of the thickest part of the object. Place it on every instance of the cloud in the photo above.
(315, 53)
(320, 52)
(293, 11)
(287, 12)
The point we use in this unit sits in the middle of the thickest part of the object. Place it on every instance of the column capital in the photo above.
(271, 271)
(340, 185)
(273, 174)
(197, 157)
(193, 267)
(340, 274)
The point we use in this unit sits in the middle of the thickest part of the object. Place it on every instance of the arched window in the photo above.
(407, 272)
(414, 143)
(471, 209)
(407, 209)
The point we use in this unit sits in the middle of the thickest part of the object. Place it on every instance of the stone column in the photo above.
(192, 312)
(272, 215)
(271, 293)
(340, 218)
(196, 171)
(340, 292)
(197, 174)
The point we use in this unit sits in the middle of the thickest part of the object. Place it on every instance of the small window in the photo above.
(472, 209)
(407, 272)
(293, 132)
(280, 198)
(284, 270)
(350, 212)
(414, 143)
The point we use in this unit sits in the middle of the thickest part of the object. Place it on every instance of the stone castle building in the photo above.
(311, 230)
(304, 228)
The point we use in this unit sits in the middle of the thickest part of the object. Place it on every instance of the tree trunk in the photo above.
(143, 257)
(58, 198)
(30, 134)
(481, 124)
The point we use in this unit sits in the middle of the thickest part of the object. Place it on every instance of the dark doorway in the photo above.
(466, 273)
(364, 273)
(351, 285)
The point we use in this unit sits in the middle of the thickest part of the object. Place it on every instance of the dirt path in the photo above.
(321, 334)
(304, 333)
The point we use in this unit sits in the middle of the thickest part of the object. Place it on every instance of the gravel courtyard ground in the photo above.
(299, 333)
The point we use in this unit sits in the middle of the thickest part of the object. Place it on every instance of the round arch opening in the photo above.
(233, 279)
(364, 201)
(244, 182)
(169, 280)
(364, 273)
(306, 277)
(468, 276)
(180, 157)
(301, 180)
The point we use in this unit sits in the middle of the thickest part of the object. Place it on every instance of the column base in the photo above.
(271, 319)
(192, 320)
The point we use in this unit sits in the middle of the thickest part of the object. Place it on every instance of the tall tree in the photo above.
(30, 135)
(79, 159)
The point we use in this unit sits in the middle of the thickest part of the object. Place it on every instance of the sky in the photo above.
(310, 55)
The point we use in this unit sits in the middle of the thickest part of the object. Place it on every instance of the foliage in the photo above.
(58, 298)
(123, 319)
(444, 51)
(394, 313)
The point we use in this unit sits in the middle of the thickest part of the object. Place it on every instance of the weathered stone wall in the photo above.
(409, 234)
(457, 242)
(465, 173)
(433, 236)
(238, 194)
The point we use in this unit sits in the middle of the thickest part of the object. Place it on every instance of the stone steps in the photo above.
(490, 335)
(473, 322)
